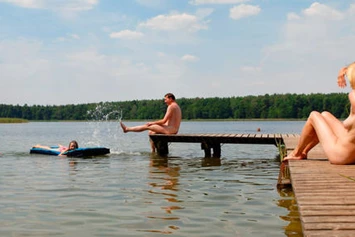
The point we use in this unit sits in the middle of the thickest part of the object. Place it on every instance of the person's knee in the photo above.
(314, 114)
(325, 113)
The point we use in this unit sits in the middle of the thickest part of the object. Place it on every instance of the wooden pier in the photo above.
(325, 193)
(212, 142)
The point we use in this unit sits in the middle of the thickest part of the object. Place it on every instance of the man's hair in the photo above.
(170, 95)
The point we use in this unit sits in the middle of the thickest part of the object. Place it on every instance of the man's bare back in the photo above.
(173, 123)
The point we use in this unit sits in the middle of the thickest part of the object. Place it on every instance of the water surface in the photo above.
(134, 193)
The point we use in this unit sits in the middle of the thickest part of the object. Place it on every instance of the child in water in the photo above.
(72, 145)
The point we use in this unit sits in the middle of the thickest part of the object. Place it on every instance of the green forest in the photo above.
(276, 106)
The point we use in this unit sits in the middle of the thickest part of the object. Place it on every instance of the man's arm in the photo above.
(168, 114)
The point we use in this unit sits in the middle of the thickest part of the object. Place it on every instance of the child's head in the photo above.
(73, 145)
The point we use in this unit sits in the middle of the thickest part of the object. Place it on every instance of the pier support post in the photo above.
(162, 148)
(207, 148)
(216, 150)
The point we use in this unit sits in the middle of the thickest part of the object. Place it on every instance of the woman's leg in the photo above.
(335, 125)
(307, 140)
(317, 129)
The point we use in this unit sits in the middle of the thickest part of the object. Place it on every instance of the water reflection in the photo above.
(165, 186)
(287, 201)
(210, 161)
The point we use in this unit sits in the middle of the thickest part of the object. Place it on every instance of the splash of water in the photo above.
(105, 112)
(118, 112)
(102, 131)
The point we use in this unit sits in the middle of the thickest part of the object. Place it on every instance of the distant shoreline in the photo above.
(13, 120)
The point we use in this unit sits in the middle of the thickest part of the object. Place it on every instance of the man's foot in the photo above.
(124, 128)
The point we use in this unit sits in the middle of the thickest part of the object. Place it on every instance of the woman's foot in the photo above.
(292, 156)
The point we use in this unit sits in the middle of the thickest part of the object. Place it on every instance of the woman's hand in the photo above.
(341, 77)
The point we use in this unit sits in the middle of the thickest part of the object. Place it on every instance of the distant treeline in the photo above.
(276, 106)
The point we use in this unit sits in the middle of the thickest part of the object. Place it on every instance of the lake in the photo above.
(131, 192)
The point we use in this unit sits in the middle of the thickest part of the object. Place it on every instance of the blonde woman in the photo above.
(336, 137)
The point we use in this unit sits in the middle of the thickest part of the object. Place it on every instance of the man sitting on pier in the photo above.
(170, 124)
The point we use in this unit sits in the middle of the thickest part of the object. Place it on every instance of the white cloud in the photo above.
(74, 36)
(33, 73)
(322, 11)
(201, 2)
(175, 22)
(204, 12)
(68, 37)
(189, 58)
(243, 10)
(293, 16)
(127, 34)
(311, 49)
(316, 24)
(161, 54)
(26, 3)
(68, 5)
(352, 9)
(250, 69)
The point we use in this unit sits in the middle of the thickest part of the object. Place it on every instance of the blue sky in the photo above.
(55, 52)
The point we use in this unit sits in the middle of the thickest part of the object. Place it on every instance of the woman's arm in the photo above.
(341, 77)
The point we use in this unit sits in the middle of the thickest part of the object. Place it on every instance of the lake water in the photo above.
(134, 193)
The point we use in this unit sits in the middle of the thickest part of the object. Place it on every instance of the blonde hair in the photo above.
(350, 74)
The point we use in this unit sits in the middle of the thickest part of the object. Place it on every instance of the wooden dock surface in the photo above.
(254, 138)
(213, 141)
(325, 194)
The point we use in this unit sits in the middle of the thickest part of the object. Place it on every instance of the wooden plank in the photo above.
(330, 233)
(330, 225)
(332, 211)
(214, 138)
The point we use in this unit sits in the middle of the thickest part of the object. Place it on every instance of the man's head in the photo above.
(170, 95)
(169, 98)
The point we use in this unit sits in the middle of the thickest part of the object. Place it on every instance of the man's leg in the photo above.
(139, 128)
(152, 146)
